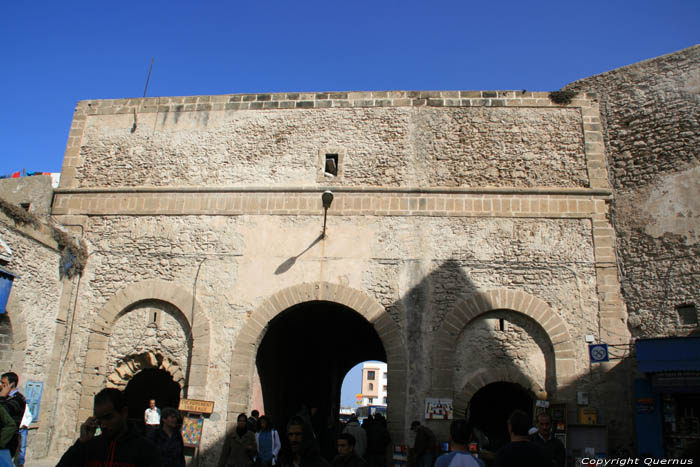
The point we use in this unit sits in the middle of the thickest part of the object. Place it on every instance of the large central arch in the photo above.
(303, 296)
(304, 355)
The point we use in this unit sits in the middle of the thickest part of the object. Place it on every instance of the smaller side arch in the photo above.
(478, 303)
(485, 376)
(100, 331)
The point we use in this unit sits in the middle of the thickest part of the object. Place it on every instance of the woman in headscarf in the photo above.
(240, 448)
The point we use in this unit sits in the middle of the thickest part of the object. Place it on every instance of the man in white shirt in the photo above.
(152, 416)
(23, 429)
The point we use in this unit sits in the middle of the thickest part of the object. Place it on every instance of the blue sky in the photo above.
(57, 53)
(352, 385)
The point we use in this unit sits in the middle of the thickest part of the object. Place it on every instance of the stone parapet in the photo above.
(320, 100)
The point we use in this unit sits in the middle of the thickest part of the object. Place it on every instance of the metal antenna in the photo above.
(149, 77)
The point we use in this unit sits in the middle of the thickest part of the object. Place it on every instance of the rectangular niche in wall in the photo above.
(687, 314)
(330, 164)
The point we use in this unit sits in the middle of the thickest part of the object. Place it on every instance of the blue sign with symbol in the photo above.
(599, 353)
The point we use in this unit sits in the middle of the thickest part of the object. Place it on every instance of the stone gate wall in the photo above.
(651, 116)
(438, 195)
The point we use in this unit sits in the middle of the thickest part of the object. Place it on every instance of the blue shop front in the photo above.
(667, 396)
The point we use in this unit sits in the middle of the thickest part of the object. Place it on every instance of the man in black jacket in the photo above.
(13, 401)
(119, 443)
(546, 439)
(521, 452)
(303, 450)
(346, 453)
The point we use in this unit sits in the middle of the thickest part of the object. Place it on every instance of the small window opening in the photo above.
(502, 324)
(371, 387)
(24, 206)
(687, 314)
(155, 316)
(331, 166)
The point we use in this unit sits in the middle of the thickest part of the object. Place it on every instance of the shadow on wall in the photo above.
(336, 334)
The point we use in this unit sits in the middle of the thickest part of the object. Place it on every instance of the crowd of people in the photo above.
(469, 447)
(108, 437)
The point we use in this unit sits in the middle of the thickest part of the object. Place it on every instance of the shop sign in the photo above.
(196, 406)
(676, 381)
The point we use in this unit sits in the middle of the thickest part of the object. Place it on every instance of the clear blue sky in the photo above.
(55, 53)
(352, 385)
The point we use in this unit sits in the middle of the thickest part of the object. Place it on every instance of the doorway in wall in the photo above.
(491, 406)
(147, 384)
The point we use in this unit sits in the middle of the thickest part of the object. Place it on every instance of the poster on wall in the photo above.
(438, 409)
(192, 431)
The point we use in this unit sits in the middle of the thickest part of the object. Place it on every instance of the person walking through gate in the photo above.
(521, 452)
(239, 448)
(544, 437)
(14, 402)
(303, 450)
(346, 453)
(460, 434)
(151, 417)
(425, 445)
(353, 427)
(378, 440)
(7, 431)
(268, 441)
(120, 443)
(168, 439)
(23, 431)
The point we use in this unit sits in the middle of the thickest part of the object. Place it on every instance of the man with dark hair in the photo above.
(303, 450)
(360, 434)
(168, 439)
(346, 453)
(378, 440)
(119, 443)
(521, 452)
(425, 445)
(253, 421)
(546, 439)
(459, 455)
(14, 403)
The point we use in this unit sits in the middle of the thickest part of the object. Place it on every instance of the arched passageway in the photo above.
(305, 354)
(147, 384)
(491, 406)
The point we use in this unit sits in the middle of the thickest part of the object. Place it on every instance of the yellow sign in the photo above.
(196, 406)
